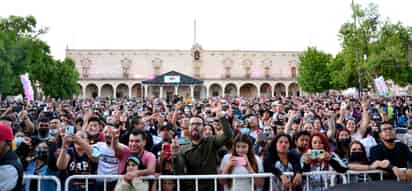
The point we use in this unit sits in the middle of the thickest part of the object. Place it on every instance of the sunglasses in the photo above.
(43, 125)
(196, 124)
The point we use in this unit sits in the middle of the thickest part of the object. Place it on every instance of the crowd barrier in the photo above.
(327, 175)
(178, 178)
(364, 173)
(40, 178)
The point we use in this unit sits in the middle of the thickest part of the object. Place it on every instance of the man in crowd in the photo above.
(11, 176)
(199, 156)
(396, 152)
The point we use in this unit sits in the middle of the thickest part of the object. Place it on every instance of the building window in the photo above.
(227, 72)
(293, 72)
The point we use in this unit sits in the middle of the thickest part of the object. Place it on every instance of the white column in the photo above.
(192, 91)
(238, 91)
(161, 92)
(115, 91)
(145, 91)
(130, 91)
(99, 93)
(176, 90)
(207, 91)
(83, 91)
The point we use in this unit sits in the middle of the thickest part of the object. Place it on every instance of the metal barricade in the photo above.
(40, 178)
(331, 174)
(178, 178)
(351, 172)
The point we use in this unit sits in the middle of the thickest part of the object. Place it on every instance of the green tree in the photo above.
(390, 56)
(313, 70)
(22, 51)
(62, 79)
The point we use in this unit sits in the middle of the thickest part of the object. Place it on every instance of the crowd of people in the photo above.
(141, 137)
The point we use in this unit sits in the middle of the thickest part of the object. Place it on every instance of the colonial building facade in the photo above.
(137, 73)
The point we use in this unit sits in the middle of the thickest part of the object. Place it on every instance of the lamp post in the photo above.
(357, 49)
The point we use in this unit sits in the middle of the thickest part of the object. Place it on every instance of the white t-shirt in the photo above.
(108, 163)
(242, 184)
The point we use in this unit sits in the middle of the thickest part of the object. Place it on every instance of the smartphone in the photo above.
(166, 148)
(240, 161)
(69, 130)
(184, 141)
(263, 136)
(316, 154)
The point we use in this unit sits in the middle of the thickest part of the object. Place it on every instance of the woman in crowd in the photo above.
(278, 159)
(317, 158)
(242, 160)
(39, 167)
(74, 160)
(137, 184)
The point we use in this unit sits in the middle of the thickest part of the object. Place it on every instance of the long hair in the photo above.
(342, 150)
(250, 153)
(326, 147)
(364, 157)
(271, 149)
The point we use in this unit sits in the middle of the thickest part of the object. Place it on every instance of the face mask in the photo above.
(357, 157)
(244, 131)
(41, 155)
(375, 134)
(54, 132)
(44, 132)
(344, 142)
(18, 140)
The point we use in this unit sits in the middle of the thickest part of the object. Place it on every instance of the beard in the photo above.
(195, 135)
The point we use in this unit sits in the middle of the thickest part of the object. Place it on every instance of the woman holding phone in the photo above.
(319, 158)
(242, 160)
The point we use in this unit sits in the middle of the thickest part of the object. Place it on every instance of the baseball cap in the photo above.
(6, 133)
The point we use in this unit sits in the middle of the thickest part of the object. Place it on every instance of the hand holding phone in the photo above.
(239, 161)
(69, 130)
(316, 154)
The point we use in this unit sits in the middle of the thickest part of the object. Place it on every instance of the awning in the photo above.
(172, 78)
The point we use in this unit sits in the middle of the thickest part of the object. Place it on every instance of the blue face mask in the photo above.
(244, 131)
(18, 140)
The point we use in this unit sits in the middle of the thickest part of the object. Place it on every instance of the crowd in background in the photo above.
(217, 135)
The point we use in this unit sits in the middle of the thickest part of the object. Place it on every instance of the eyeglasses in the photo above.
(196, 124)
(387, 129)
(43, 125)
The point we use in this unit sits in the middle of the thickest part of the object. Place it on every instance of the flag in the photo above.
(27, 87)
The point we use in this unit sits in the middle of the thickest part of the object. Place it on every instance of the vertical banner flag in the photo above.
(381, 87)
(172, 79)
(27, 87)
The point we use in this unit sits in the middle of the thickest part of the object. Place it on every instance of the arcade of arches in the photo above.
(218, 88)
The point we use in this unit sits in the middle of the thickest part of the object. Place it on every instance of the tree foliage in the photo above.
(370, 48)
(313, 70)
(22, 51)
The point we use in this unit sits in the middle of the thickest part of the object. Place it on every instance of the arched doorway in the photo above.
(230, 90)
(183, 91)
(266, 90)
(80, 88)
(248, 90)
(215, 90)
(107, 90)
(293, 89)
(122, 91)
(91, 91)
(137, 90)
(280, 89)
